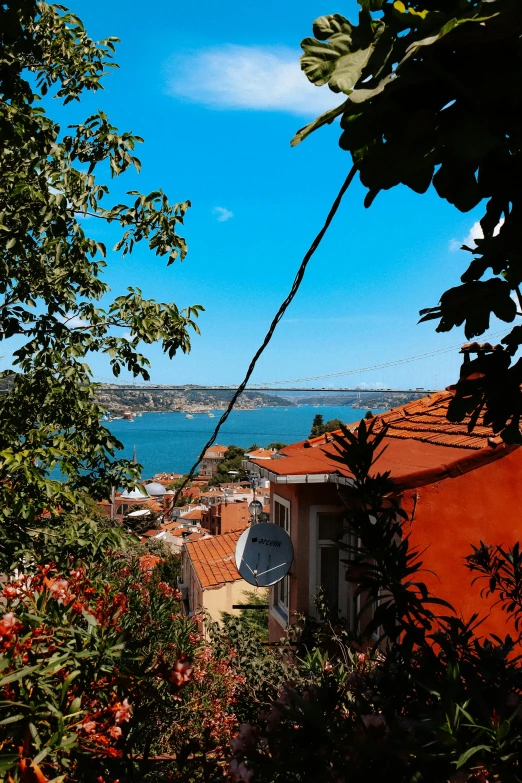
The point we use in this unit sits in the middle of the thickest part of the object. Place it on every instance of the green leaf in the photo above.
(11, 719)
(18, 675)
(8, 760)
(464, 757)
(324, 119)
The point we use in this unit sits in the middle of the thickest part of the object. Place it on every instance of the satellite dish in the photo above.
(255, 507)
(264, 554)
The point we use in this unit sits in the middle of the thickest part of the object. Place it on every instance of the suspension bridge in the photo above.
(146, 387)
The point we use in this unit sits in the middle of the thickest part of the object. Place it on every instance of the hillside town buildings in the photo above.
(459, 489)
(211, 459)
(210, 579)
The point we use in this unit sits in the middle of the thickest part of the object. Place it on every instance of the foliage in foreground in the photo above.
(51, 272)
(419, 694)
(431, 95)
(97, 674)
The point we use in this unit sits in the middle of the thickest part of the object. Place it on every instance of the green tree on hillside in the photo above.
(317, 426)
(51, 272)
(277, 445)
(234, 456)
(320, 428)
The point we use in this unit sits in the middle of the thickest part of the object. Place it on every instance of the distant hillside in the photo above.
(374, 399)
(191, 399)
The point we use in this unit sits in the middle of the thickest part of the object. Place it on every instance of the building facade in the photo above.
(459, 489)
(211, 581)
(211, 459)
(225, 517)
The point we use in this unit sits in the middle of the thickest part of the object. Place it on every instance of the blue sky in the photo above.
(216, 92)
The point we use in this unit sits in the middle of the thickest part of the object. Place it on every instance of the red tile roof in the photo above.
(422, 446)
(260, 454)
(195, 514)
(192, 492)
(213, 559)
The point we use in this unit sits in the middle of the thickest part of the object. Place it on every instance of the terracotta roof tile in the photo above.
(213, 558)
(422, 446)
(195, 514)
(260, 454)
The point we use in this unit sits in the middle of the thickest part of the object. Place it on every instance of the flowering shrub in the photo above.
(61, 694)
(95, 670)
(431, 701)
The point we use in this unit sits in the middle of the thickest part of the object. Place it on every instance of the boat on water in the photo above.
(210, 415)
(189, 416)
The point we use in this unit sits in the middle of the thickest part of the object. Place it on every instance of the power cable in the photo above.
(376, 366)
(280, 313)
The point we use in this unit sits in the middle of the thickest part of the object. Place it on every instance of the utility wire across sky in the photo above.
(262, 384)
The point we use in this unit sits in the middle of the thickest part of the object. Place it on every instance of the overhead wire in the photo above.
(393, 363)
(278, 316)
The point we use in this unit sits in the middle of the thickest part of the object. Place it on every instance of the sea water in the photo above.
(169, 442)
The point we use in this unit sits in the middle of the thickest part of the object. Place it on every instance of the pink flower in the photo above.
(7, 624)
(115, 732)
(59, 589)
(11, 591)
(181, 673)
(246, 738)
(122, 712)
(89, 727)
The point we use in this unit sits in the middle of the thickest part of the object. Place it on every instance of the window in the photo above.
(281, 517)
(327, 566)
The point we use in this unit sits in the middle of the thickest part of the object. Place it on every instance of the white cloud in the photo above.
(247, 77)
(223, 214)
(72, 321)
(475, 232)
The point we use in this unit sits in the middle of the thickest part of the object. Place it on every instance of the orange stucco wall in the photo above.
(225, 517)
(482, 505)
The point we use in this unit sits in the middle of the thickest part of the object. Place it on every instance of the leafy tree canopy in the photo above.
(51, 270)
(233, 461)
(277, 445)
(255, 621)
(431, 95)
(320, 428)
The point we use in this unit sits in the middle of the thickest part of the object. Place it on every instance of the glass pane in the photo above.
(282, 592)
(329, 573)
(281, 515)
(330, 527)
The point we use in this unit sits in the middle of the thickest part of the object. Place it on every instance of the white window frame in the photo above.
(348, 610)
(280, 610)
